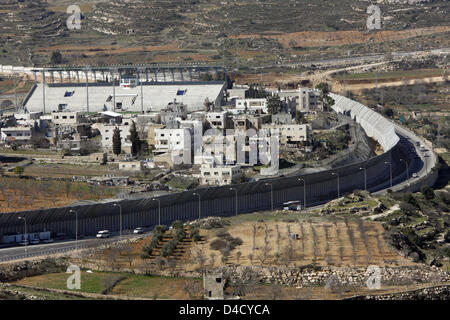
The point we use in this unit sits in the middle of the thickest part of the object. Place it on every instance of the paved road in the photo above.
(21, 252)
(355, 59)
(426, 160)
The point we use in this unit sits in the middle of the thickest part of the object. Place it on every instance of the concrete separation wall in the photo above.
(220, 201)
(375, 125)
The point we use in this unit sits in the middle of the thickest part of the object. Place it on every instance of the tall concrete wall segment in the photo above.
(375, 125)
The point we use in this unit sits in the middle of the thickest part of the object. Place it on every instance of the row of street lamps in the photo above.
(236, 204)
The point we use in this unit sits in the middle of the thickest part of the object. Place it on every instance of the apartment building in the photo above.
(257, 105)
(291, 134)
(308, 100)
(218, 175)
(67, 118)
(18, 134)
(107, 133)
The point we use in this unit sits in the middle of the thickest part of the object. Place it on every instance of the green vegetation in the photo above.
(95, 282)
(330, 142)
(117, 142)
(274, 104)
(18, 170)
(135, 140)
(419, 227)
(113, 283)
(325, 98)
(179, 234)
(158, 233)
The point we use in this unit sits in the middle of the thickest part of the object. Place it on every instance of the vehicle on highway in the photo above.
(103, 234)
(138, 230)
(414, 175)
(292, 206)
(24, 242)
(47, 241)
(35, 241)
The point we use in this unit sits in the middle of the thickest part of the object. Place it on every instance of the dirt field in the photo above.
(130, 286)
(337, 244)
(339, 38)
(23, 194)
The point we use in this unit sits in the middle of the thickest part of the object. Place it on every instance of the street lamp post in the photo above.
(390, 171)
(337, 175)
(236, 205)
(271, 194)
(120, 218)
(304, 193)
(365, 178)
(76, 228)
(407, 168)
(159, 210)
(199, 204)
(25, 240)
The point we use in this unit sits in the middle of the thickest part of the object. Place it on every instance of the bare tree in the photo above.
(275, 291)
(192, 288)
(246, 283)
(362, 231)
(327, 243)
(278, 237)
(287, 255)
(200, 258)
(172, 264)
(302, 233)
(145, 266)
(264, 254)
(254, 237)
(160, 262)
(314, 236)
(351, 236)
(238, 256)
(212, 259)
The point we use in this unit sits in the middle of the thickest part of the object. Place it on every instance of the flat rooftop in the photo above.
(156, 97)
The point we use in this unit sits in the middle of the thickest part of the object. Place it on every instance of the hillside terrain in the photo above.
(237, 33)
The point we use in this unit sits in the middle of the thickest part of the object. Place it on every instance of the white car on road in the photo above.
(103, 234)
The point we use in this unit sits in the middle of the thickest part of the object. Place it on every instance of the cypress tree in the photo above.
(117, 142)
(135, 141)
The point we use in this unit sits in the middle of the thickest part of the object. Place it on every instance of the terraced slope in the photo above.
(200, 29)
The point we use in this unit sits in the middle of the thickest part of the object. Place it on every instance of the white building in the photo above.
(169, 140)
(219, 175)
(217, 120)
(67, 118)
(131, 166)
(107, 133)
(251, 105)
(291, 134)
(19, 134)
(308, 100)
